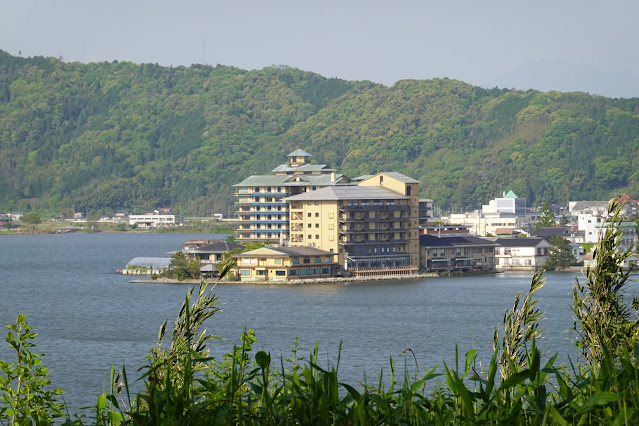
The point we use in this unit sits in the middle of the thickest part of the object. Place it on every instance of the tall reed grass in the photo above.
(184, 385)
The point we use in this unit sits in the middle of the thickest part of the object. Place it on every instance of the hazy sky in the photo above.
(566, 45)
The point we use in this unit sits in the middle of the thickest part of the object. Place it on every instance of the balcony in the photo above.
(395, 207)
(372, 242)
(373, 219)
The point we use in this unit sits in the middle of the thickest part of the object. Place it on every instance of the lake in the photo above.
(88, 317)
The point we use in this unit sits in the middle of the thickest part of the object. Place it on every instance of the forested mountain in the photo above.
(103, 136)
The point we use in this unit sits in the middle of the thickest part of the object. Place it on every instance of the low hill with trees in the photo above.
(103, 136)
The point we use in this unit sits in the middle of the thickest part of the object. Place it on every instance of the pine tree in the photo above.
(559, 254)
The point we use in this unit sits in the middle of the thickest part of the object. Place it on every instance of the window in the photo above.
(466, 251)
(318, 260)
(307, 260)
(278, 261)
(327, 259)
(260, 272)
(310, 236)
(317, 225)
(309, 215)
(280, 273)
(442, 252)
(310, 225)
(316, 236)
(331, 226)
(295, 261)
(331, 238)
(331, 215)
(316, 214)
(245, 272)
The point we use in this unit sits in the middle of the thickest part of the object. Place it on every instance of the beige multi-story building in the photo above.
(284, 263)
(262, 209)
(373, 226)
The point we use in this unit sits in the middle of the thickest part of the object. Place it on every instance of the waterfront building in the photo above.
(450, 253)
(373, 226)
(521, 253)
(261, 206)
(153, 220)
(210, 254)
(285, 263)
(629, 238)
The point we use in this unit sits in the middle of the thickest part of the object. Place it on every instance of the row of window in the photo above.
(312, 271)
(458, 251)
(318, 259)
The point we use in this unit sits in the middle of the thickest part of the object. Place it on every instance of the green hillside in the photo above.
(103, 136)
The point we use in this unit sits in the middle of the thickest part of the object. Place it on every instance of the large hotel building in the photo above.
(370, 223)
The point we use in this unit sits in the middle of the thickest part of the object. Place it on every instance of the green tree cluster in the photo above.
(112, 135)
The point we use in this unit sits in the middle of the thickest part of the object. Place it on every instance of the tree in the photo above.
(559, 254)
(547, 218)
(31, 218)
(181, 267)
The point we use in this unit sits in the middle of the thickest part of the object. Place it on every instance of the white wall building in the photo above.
(509, 203)
(521, 253)
(155, 220)
(484, 224)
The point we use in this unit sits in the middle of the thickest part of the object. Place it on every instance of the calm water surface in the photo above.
(89, 318)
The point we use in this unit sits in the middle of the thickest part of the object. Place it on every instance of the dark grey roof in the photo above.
(446, 241)
(349, 192)
(219, 247)
(545, 232)
(519, 242)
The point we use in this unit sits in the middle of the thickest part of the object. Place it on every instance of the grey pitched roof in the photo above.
(303, 168)
(349, 192)
(290, 251)
(445, 241)
(587, 205)
(291, 180)
(299, 153)
(519, 242)
(400, 177)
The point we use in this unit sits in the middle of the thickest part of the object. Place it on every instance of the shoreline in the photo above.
(289, 282)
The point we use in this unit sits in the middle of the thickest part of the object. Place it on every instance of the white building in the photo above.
(521, 253)
(155, 220)
(509, 203)
(485, 224)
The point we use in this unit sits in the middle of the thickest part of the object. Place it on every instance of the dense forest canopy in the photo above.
(104, 136)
